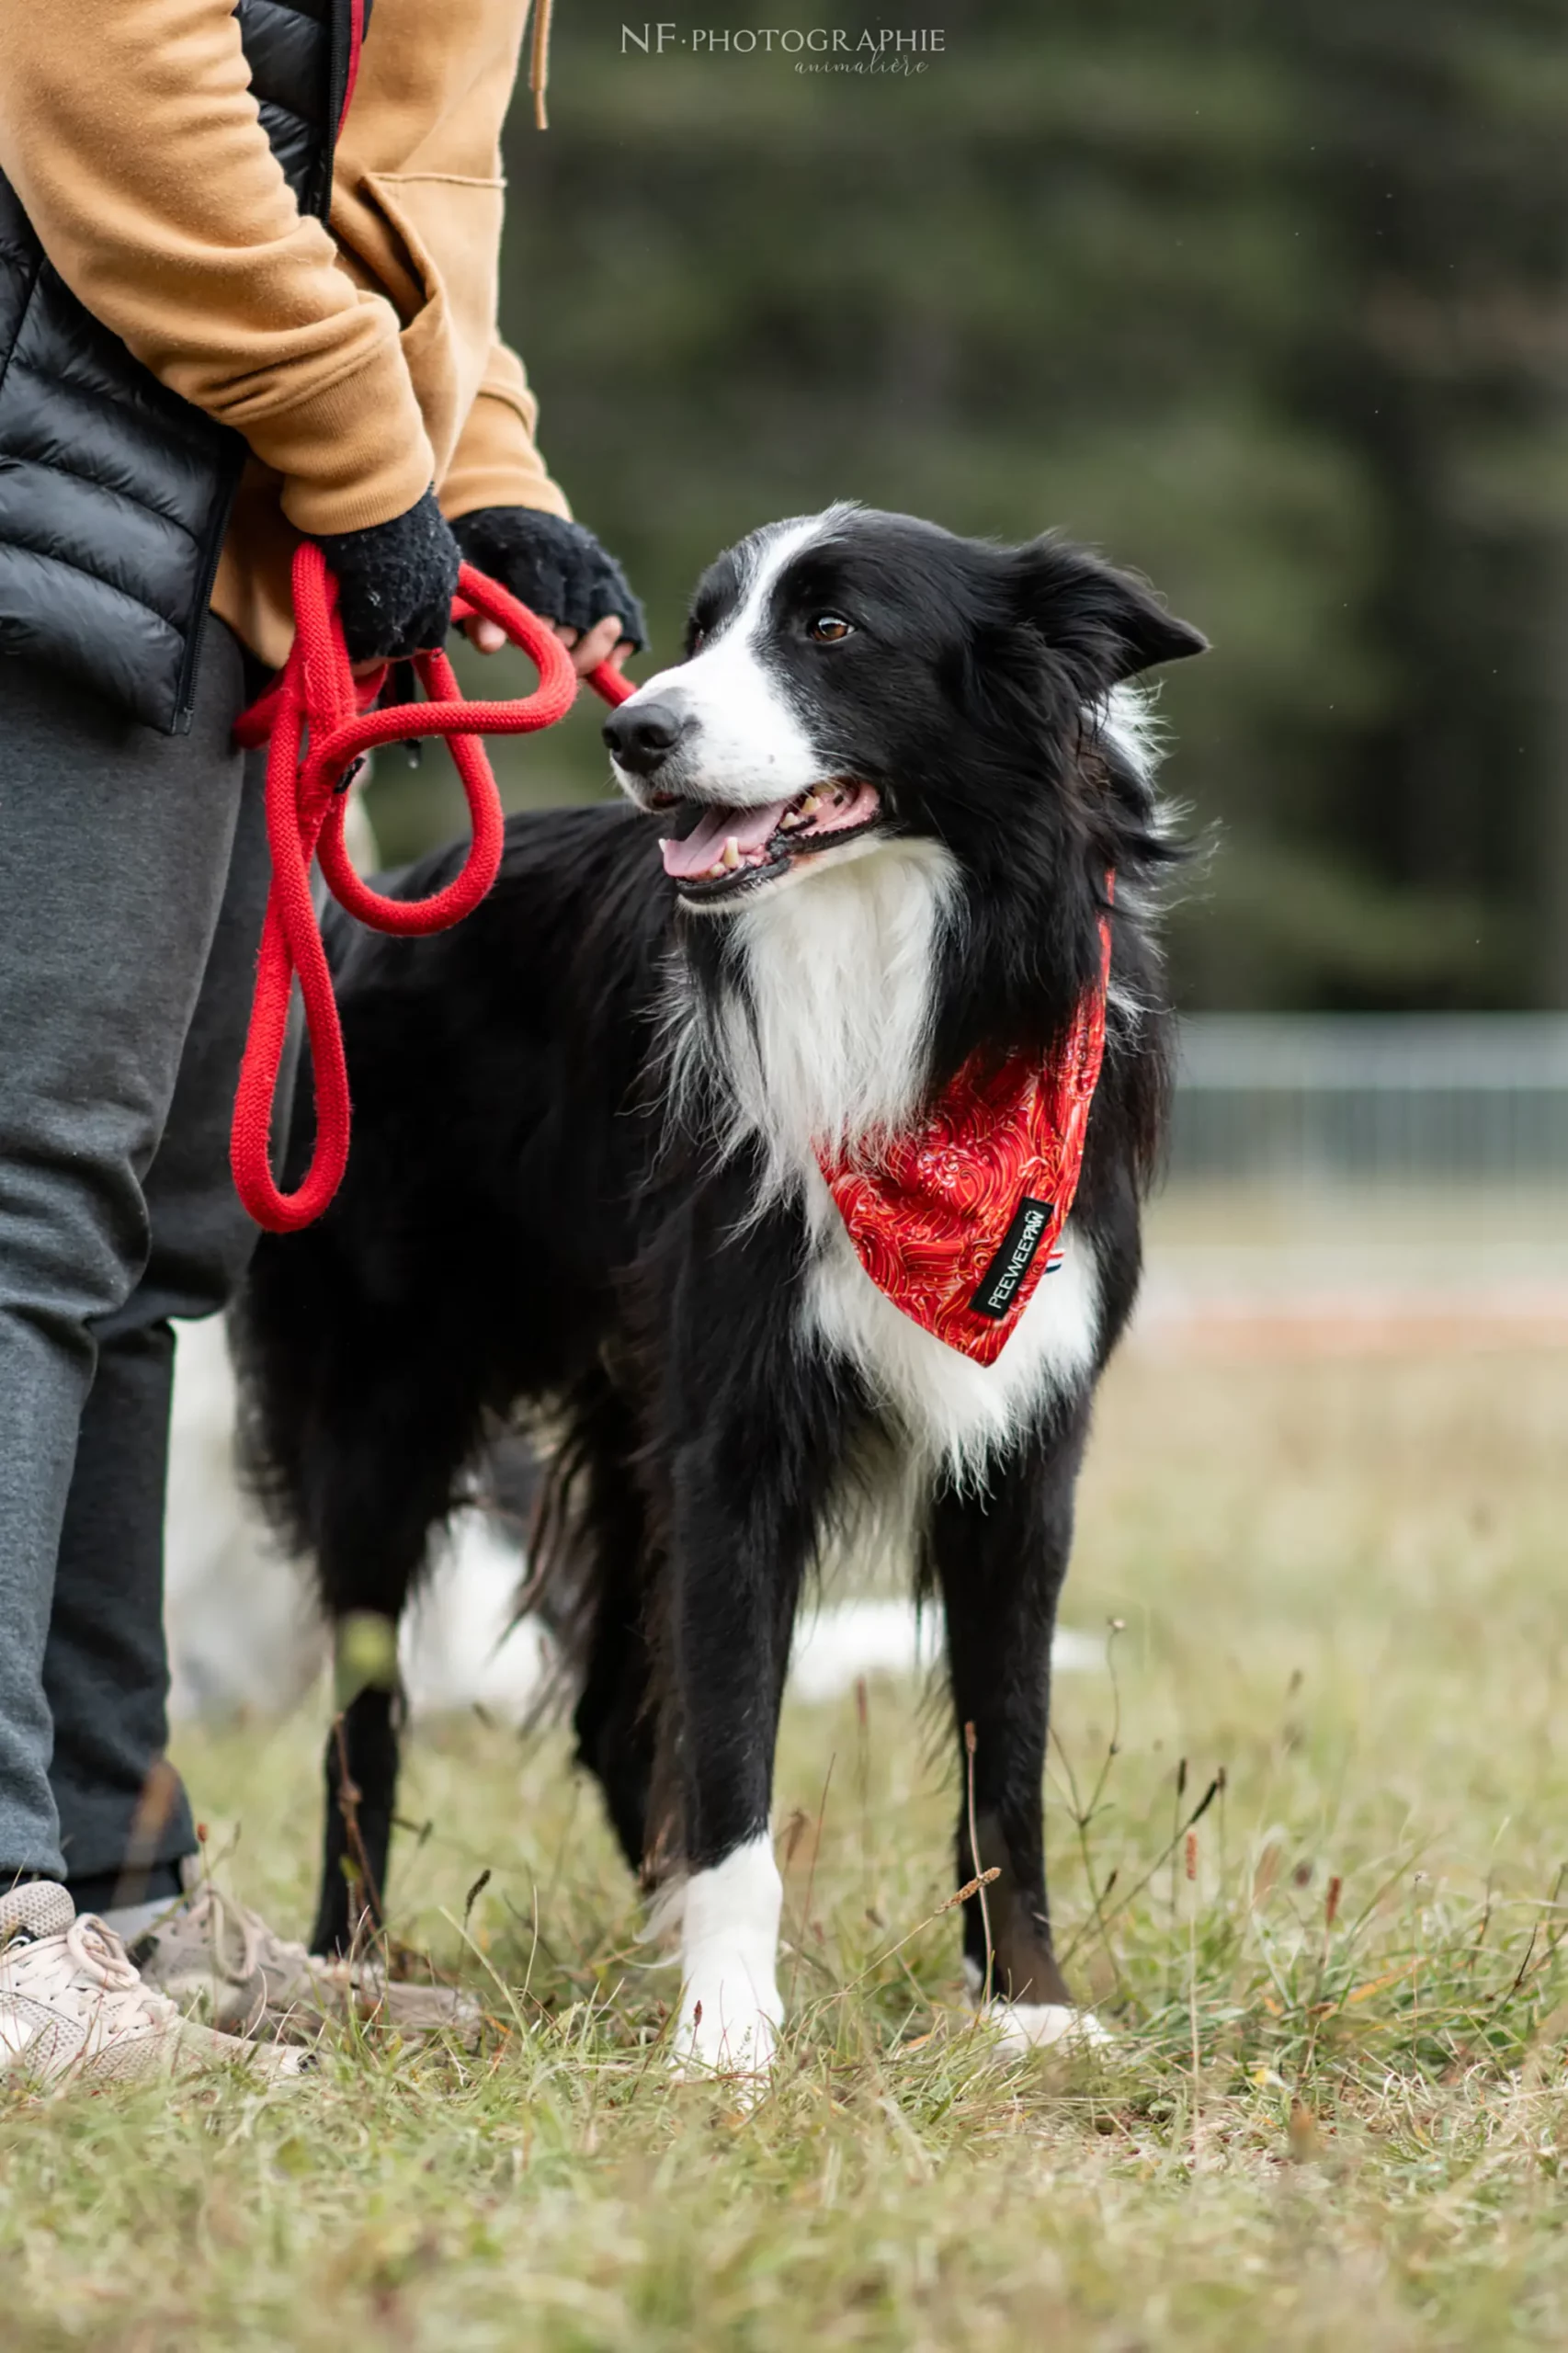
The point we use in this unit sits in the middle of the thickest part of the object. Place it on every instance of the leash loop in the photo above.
(318, 723)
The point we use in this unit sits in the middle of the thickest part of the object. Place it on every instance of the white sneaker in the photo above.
(220, 1962)
(73, 2009)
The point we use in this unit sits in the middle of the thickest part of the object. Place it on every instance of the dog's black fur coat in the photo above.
(531, 1221)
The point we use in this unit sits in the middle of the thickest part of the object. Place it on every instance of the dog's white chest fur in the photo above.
(833, 1049)
(953, 1410)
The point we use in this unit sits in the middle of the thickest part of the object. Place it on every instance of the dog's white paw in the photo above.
(1044, 2026)
(730, 2005)
(728, 2026)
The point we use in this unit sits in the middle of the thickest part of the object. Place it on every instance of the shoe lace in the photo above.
(97, 1951)
(215, 1915)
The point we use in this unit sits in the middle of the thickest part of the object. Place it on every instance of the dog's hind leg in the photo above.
(596, 1516)
(363, 1754)
(389, 1478)
(998, 1554)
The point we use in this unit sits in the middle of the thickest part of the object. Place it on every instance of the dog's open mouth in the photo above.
(712, 850)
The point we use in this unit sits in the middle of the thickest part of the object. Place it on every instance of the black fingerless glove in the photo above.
(557, 569)
(395, 583)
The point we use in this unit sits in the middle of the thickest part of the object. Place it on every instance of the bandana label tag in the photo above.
(999, 1284)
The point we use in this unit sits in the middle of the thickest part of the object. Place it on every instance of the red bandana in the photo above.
(957, 1221)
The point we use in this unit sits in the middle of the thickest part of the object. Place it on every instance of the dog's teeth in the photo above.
(731, 857)
(810, 804)
(663, 843)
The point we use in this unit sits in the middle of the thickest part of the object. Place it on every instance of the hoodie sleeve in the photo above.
(129, 133)
(495, 462)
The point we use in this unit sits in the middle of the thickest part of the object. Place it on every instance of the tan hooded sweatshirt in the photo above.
(360, 365)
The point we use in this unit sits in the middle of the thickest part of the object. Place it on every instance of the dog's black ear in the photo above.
(1106, 625)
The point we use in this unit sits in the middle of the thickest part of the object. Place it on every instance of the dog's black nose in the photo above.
(641, 735)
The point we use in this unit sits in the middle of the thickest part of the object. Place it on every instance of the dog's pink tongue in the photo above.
(704, 846)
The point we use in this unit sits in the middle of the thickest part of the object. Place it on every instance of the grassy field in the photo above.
(1334, 2115)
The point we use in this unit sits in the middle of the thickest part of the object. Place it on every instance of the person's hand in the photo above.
(395, 583)
(588, 648)
(559, 571)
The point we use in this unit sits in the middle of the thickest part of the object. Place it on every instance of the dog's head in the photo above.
(855, 675)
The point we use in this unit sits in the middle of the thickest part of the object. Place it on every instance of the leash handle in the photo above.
(317, 726)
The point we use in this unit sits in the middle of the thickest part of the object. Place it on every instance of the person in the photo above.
(248, 269)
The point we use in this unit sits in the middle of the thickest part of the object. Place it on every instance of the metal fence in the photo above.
(1397, 1100)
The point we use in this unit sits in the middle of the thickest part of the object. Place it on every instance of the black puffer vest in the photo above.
(114, 492)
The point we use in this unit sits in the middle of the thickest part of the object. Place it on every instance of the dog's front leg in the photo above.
(999, 1553)
(748, 1495)
(736, 1577)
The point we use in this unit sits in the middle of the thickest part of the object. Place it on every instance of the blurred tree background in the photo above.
(1266, 298)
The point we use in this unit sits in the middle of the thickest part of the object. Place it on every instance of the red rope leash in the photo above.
(317, 724)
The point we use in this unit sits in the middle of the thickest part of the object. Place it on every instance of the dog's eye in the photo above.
(826, 629)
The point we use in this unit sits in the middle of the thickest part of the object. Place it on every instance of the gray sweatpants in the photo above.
(132, 879)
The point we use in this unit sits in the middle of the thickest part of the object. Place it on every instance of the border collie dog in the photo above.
(883, 823)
